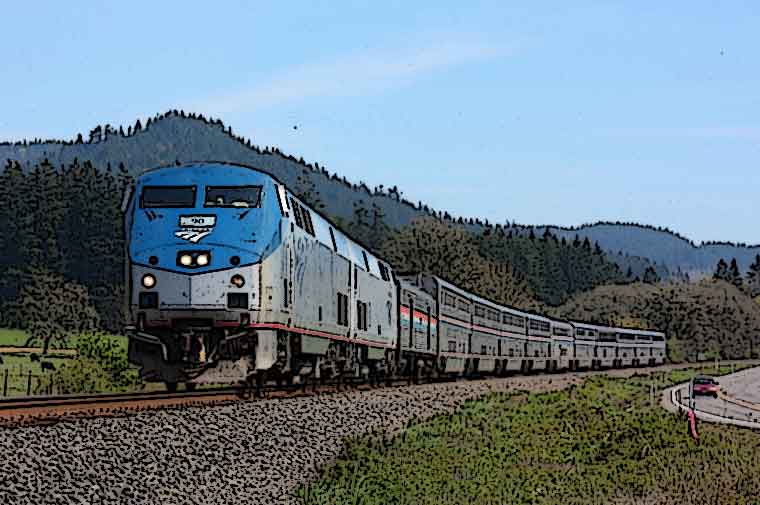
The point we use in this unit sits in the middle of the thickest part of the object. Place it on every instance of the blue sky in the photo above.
(545, 112)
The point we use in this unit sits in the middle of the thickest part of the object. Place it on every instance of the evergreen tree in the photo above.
(430, 246)
(753, 277)
(721, 271)
(734, 276)
(651, 276)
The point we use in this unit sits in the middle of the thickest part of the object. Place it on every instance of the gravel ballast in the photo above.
(247, 452)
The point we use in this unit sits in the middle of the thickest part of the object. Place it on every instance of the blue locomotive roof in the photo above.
(227, 210)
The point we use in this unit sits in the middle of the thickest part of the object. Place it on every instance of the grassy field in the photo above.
(17, 338)
(602, 442)
(17, 366)
(12, 338)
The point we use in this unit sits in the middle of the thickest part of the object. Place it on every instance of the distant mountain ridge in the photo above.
(664, 247)
(177, 137)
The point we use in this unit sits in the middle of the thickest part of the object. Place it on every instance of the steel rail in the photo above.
(17, 411)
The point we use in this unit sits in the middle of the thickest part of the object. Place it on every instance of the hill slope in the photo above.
(177, 137)
(711, 317)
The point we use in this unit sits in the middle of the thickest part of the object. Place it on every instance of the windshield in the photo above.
(233, 196)
(167, 196)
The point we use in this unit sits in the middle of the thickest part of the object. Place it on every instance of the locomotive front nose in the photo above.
(226, 288)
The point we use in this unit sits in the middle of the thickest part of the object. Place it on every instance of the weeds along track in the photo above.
(42, 410)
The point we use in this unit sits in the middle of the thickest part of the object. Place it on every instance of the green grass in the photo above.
(12, 338)
(602, 442)
(18, 367)
(94, 374)
(17, 338)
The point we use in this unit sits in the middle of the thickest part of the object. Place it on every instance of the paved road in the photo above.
(739, 399)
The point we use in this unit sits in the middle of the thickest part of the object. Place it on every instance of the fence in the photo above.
(26, 383)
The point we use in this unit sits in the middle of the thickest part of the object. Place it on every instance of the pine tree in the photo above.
(721, 271)
(753, 277)
(651, 276)
(734, 276)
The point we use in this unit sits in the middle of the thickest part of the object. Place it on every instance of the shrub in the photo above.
(101, 366)
(78, 376)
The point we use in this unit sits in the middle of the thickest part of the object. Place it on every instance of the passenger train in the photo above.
(233, 279)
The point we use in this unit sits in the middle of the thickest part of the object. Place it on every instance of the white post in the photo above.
(691, 393)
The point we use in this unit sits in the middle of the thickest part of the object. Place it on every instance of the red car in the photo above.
(706, 386)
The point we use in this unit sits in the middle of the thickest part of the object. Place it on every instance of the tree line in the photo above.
(526, 272)
(748, 282)
(711, 318)
(61, 248)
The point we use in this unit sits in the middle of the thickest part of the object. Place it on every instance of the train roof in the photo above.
(504, 308)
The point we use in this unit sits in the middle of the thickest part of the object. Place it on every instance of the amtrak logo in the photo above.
(192, 234)
(194, 228)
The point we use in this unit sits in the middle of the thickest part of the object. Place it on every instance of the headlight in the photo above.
(186, 260)
(238, 281)
(202, 259)
(148, 281)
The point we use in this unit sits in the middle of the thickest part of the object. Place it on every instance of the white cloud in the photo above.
(354, 74)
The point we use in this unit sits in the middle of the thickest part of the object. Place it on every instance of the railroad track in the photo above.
(15, 412)
(38, 410)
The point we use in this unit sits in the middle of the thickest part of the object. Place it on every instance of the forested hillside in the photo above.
(66, 222)
(662, 246)
(177, 136)
(528, 273)
(711, 317)
(63, 230)
(62, 243)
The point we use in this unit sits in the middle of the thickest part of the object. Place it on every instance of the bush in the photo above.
(101, 366)
(53, 307)
(78, 376)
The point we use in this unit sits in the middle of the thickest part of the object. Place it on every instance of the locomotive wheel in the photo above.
(171, 387)
(260, 385)
(244, 393)
(190, 386)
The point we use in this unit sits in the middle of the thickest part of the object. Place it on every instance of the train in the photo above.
(233, 279)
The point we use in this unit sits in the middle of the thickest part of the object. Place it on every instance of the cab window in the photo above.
(233, 196)
(167, 196)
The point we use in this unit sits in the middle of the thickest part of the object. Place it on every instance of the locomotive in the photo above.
(233, 279)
